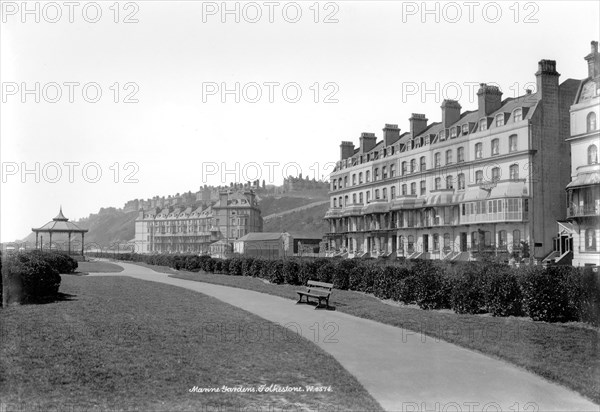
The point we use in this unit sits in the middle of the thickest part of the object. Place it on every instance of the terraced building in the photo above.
(179, 230)
(492, 178)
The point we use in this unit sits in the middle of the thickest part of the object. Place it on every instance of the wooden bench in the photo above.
(317, 290)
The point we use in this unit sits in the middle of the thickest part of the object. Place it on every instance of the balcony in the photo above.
(518, 216)
(583, 211)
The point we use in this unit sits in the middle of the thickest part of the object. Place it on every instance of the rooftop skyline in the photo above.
(379, 63)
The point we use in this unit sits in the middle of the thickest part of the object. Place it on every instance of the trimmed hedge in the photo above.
(552, 294)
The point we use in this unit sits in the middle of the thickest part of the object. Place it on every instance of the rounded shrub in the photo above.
(546, 294)
(371, 271)
(307, 271)
(235, 267)
(503, 293)
(433, 288)
(384, 284)
(61, 262)
(407, 288)
(468, 293)
(217, 265)
(325, 272)
(341, 275)
(39, 280)
(275, 274)
(590, 297)
(256, 268)
(265, 269)
(247, 266)
(290, 271)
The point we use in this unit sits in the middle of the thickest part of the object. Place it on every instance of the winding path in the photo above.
(401, 369)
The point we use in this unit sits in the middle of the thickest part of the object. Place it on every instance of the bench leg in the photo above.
(300, 299)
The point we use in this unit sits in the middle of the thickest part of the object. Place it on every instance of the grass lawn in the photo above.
(565, 353)
(124, 344)
(97, 267)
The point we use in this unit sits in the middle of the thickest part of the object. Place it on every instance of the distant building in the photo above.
(266, 245)
(581, 233)
(187, 230)
(278, 245)
(488, 179)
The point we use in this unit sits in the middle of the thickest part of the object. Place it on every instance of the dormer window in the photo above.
(453, 132)
(442, 135)
(517, 115)
(500, 120)
(465, 129)
(483, 124)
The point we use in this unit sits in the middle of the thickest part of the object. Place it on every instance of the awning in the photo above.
(442, 199)
(407, 203)
(585, 179)
(377, 207)
(498, 191)
(332, 213)
(353, 210)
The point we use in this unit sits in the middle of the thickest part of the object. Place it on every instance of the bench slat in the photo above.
(321, 284)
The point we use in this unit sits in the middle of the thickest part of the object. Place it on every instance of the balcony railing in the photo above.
(585, 210)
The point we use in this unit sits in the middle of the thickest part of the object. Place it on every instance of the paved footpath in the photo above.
(402, 370)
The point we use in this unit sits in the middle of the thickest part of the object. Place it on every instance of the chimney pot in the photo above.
(418, 123)
(391, 134)
(593, 61)
(489, 99)
(346, 150)
(367, 141)
(450, 112)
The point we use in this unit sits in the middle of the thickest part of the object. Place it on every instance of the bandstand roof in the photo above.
(60, 224)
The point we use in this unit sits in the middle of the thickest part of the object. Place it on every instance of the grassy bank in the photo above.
(98, 267)
(122, 344)
(565, 353)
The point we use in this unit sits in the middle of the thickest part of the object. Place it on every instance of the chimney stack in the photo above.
(418, 123)
(593, 61)
(367, 142)
(450, 112)
(391, 134)
(547, 80)
(489, 99)
(346, 150)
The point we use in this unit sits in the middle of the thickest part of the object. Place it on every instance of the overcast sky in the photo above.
(359, 66)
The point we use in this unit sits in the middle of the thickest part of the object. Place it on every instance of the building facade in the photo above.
(488, 179)
(179, 230)
(583, 192)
